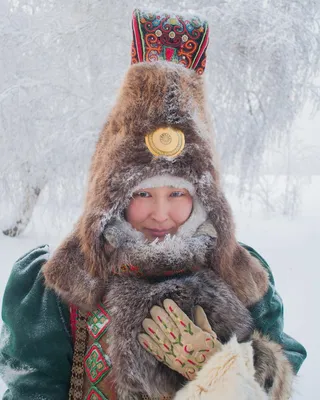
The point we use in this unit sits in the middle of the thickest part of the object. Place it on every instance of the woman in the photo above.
(156, 227)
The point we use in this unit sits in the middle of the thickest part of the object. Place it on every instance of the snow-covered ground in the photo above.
(289, 245)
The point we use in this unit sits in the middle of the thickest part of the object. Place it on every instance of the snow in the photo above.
(289, 245)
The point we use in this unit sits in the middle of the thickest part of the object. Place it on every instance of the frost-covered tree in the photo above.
(265, 55)
(62, 62)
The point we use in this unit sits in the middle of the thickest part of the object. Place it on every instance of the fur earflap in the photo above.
(155, 95)
(68, 273)
(242, 271)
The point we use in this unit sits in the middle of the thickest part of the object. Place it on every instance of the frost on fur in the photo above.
(174, 251)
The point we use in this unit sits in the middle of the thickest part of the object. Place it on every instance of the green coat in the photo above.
(36, 345)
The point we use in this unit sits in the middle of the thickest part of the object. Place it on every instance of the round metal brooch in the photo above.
(168, 142)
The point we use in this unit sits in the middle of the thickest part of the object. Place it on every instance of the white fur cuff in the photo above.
(228, 375)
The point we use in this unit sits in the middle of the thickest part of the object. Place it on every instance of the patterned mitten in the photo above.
(176, 341)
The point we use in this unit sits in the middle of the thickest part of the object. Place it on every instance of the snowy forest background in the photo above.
(61, 64)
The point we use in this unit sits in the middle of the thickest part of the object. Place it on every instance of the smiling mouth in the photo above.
(158, 233)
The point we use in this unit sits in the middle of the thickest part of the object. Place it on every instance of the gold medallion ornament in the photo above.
(168, 142)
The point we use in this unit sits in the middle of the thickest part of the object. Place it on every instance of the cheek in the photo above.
(182, 210)
(136, 212)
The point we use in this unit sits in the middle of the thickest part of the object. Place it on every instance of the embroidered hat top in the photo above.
(170, 37)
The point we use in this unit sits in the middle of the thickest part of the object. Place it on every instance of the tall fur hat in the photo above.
(158, 133)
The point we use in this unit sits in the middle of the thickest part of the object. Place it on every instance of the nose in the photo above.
(160, 211)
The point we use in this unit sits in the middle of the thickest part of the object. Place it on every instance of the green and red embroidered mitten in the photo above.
(176, 341)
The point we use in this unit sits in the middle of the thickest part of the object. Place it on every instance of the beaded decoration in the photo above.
(160, 36)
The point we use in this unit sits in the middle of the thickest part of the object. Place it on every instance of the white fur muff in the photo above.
(228, 375)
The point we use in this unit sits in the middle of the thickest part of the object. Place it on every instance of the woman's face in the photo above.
(157, 212)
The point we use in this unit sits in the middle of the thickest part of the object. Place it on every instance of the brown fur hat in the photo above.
(153, 95)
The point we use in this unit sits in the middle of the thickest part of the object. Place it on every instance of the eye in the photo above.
(142, 194)
(177, 194)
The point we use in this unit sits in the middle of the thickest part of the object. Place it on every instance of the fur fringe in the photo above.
(273, 371)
